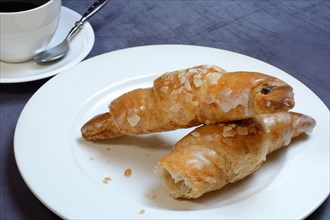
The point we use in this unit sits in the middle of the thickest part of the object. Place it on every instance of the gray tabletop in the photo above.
(292, 35)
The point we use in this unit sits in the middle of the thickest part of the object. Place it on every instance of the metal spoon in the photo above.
(62, 49)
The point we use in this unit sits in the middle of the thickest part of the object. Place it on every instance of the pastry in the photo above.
(190, 97)
(212, 156)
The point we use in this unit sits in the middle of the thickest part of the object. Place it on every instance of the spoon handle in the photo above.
(93, 9)
(88, 14)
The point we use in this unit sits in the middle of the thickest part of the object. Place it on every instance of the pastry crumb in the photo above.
(108, 148)
(150, 195)
(142, 211)
(91, 158)
(128, 172)
(106, 180)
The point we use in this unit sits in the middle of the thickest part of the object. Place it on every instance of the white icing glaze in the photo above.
(268, 122)
(209, 66)
(237, 169)
(286, 136)
(219, 69)
(212, 78)
(230, 101)
(164, 89)
(226, 92)
(287, 102)
(210, 180)
(121, 118)
(179, 90)
(182, 78)
(309, 129)
(302, 129)
(187, 85)
(100, 124)
(211, 152)
(192, 70)
(197, 81)
(209, 98)
(199, 161)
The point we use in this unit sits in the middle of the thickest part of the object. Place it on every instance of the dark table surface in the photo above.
(292, 35)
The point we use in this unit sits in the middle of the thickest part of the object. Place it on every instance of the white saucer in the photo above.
(80, 46)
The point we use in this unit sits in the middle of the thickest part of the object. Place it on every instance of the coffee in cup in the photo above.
(26, 27)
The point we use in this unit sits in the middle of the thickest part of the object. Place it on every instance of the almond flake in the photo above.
(133, 120)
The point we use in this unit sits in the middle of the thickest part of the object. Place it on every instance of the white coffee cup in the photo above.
(24, 33)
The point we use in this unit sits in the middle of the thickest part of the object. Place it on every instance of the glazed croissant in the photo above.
(212, 156)
(190, 97)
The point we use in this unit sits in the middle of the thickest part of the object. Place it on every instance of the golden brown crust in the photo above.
(214, 155)
(100, 127)
(193, 96)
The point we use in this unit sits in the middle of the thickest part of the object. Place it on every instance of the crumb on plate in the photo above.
(106, 180)
(142, 211)
(150, 195)
(128, 172)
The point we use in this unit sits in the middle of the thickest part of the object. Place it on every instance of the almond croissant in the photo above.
(212, 156)
(190, 97)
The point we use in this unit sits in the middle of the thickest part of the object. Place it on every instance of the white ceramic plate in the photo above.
(66, 173)
(80, 46)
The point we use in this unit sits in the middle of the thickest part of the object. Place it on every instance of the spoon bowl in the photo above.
(54, 53)
(62, 49)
